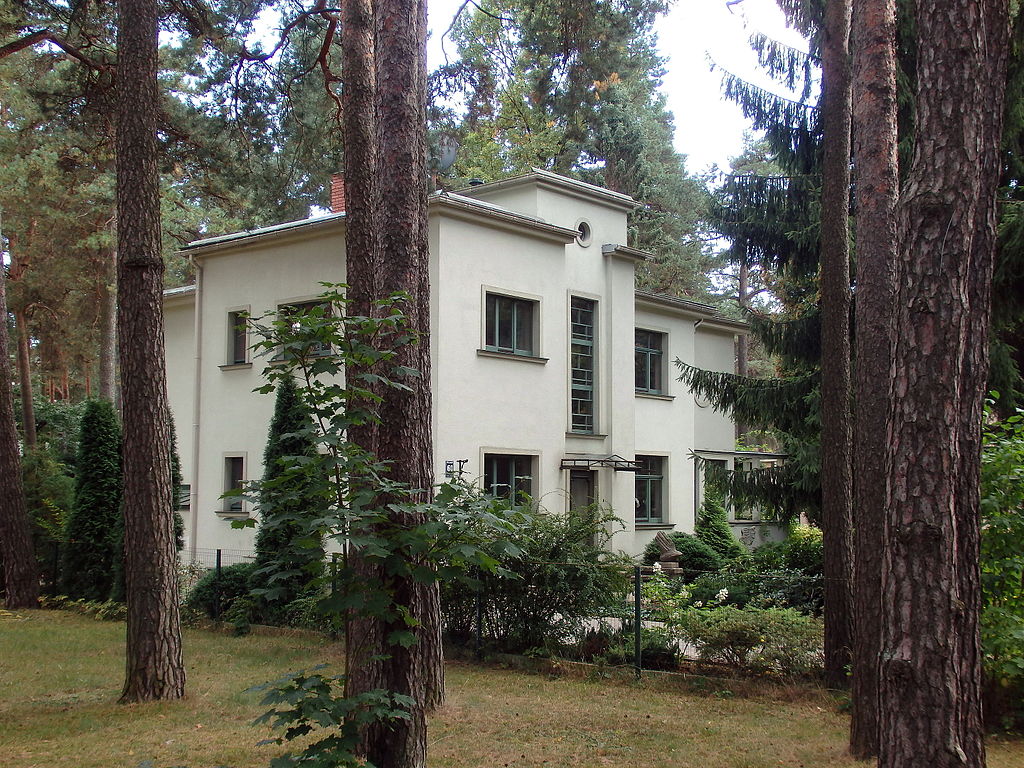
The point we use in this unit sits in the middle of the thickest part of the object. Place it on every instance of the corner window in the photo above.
(234, 476)
(650, 347)
(650, 487)
(509, 324)
(238, 339)
(508, 476)
(581, 363)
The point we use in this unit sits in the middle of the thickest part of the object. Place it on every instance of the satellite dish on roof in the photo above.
(441, 151)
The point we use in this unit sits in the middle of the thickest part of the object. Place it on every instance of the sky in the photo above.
(709, 129)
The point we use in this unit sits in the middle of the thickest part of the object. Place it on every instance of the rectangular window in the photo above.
(581, 363)
(650, 481)
(234, 475)
(184, 496)
(508, 476)
(650, 347)
(509, 324)
(238, 340)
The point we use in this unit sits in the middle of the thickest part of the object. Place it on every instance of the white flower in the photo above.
(657, 567)
(722, 594)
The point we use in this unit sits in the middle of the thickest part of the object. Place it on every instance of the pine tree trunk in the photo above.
(108, 330)
(154, 662)
(21, 576)
(931, 664)
(836, 431)
(28, 410)
(875, 142)
(742, 341)
(385, 112)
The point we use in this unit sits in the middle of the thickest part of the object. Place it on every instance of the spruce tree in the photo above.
(91, 551)
(713, 527)
(289, 555)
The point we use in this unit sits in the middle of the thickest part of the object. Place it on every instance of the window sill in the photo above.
(235, 366)
(655, 396)
(654, 526)
(511, 356)
(586, 435)
(225, 514)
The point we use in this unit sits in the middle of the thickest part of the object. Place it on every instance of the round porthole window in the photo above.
(583, 238)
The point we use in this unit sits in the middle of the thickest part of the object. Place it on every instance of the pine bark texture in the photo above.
(21, 575)
(876, 176)
(154, 667)
(931, 678)
(28, 410)
(108, 332)
(836, 427)
(387, 251)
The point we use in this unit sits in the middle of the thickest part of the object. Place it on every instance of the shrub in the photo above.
(713, 527)
(1002, 569)
(541, 598)
(696, 558)
(288, 555)
(761, 640)
(90, 546)
(231, 584)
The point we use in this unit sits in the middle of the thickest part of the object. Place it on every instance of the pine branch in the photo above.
(780, 493)
(788, 65)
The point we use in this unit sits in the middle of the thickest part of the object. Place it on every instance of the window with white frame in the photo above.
(508, 476)
(650, 490)
(581, 363)
(509, 324)
(649, 355)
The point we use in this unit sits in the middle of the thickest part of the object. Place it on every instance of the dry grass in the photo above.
(61, 674)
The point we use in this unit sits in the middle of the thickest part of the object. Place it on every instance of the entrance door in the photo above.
(583, 492)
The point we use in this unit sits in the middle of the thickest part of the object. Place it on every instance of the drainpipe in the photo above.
(196, 397)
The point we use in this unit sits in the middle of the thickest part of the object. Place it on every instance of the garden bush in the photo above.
(696, 556)
(713, 527)
(760, 640)
(541, 598)
(232, 583)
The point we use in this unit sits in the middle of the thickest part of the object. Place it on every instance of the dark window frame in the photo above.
(650, 490)
(509, 475)
(510, 324)
(582, 365)
(649, 361)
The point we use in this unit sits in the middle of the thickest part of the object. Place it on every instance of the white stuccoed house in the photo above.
(551, 373)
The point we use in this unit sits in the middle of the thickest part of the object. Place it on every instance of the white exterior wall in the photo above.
(233, 419)
(483, 402)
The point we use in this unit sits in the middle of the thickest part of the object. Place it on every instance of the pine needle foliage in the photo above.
(90, 542)
(289, 555)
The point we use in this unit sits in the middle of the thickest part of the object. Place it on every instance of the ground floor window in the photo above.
(508, 476)
(650, 487)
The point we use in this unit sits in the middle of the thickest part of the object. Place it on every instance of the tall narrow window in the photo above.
(508, 476)
(509, 324)
(649, 354)
(234, 469)
(237, 339)
(581, 363)
(650, 479)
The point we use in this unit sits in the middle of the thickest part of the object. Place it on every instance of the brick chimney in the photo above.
(338, 193)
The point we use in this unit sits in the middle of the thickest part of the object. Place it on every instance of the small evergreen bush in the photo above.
(697, 557)
(713, 527)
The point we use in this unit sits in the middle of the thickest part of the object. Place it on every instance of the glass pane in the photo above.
(505, 323)
(524, 327)
(491, 321)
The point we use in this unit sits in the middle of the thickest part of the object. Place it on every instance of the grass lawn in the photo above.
(60, 675)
